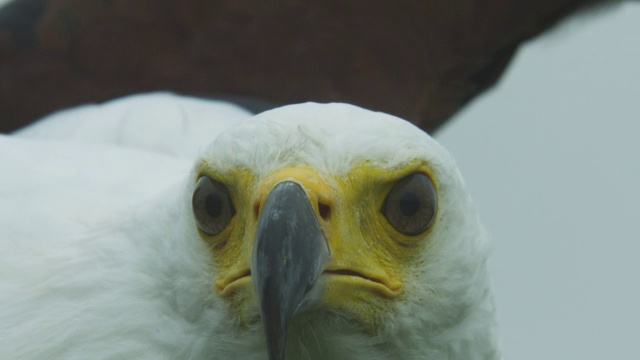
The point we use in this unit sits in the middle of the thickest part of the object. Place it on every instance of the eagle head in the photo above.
(337, 232)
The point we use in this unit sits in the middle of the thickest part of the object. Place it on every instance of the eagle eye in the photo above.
(411, 205)
(212, 206)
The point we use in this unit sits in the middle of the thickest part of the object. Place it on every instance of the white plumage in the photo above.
(100, 257)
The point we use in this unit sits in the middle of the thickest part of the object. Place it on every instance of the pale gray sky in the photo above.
(552, 158)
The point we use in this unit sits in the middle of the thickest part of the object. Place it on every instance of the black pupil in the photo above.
(213, 205)
(409, 204)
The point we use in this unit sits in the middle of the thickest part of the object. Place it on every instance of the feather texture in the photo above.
(100, 258)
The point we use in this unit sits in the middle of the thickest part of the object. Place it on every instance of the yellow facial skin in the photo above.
(369, 258)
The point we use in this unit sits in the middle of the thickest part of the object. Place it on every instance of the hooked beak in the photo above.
(289, 254)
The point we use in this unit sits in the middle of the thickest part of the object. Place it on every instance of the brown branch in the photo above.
(421, 60)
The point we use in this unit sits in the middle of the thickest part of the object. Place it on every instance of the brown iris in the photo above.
(411, 205)
(212, 206)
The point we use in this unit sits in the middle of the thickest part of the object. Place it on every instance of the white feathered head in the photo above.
(341, 233)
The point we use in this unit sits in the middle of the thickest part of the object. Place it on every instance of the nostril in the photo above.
(325, 211)
(256, 210)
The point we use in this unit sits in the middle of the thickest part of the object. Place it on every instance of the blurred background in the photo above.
(539, 102)
(552, 159)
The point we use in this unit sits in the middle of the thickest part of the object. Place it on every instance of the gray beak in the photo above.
(289, 254)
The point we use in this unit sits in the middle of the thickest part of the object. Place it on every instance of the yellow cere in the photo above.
(369, 258)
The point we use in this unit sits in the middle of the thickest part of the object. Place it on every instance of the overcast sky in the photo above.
(551, 157)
